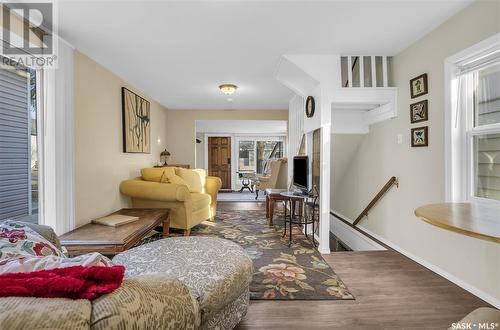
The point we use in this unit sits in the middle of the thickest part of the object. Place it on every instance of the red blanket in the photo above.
(76, 282)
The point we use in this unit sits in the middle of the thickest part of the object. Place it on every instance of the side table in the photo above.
(301, 219)
(273, 196)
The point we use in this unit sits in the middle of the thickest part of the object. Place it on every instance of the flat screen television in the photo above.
(300, 172)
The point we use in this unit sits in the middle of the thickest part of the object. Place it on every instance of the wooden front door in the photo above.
(219, 159)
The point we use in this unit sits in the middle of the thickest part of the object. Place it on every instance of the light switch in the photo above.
(400, 138)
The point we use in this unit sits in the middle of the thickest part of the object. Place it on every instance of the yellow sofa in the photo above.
(190, 195)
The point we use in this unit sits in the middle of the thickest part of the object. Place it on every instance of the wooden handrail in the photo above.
(392, 181)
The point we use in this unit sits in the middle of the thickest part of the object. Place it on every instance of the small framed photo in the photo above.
(419, 112)
(420, 136)
(418, 86)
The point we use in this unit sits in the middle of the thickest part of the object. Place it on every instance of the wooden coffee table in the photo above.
(112, 240)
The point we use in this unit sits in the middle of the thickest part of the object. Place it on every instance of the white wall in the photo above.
(295, 129)
(473, 262)
(344, 148)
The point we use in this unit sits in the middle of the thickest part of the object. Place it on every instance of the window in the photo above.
(484, 133)
(246, 154)
(267, 150)
(18, 143)
(254, 154)
(474, 125)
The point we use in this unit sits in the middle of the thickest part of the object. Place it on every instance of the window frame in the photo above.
(459, 126)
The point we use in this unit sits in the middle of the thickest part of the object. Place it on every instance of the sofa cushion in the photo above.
(486, 315)
(192, 178)
(200, 201)
(216, 271)
(152, 174)
(154, 301)
(19, 313)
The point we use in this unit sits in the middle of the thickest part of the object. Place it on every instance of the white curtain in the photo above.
(57, 167)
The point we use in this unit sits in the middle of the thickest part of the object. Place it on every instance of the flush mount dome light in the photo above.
(228, 89)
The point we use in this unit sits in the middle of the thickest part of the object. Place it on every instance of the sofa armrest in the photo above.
(212, 186)
(146, 300)
(166, 192)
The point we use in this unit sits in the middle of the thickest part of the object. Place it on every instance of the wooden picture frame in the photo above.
(420, 136)
(310, 106)
(419, 86)
(136, 123)
(419, 111)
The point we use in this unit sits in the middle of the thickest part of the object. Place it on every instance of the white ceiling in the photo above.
(241, 126)
(178, 52)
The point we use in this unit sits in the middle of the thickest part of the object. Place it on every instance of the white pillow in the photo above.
(26, 264)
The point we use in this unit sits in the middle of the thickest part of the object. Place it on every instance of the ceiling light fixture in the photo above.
(228, 89)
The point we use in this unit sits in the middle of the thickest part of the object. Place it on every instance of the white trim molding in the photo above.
(351, 237)
(57, 151)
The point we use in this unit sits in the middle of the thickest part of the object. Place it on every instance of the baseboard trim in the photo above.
(450, 277)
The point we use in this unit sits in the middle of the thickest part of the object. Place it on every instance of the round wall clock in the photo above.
(310, 106)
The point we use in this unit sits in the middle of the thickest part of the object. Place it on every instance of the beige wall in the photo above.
(421, 170)
(181, 130)
(100, 163)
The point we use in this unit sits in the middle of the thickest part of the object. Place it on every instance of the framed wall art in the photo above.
(418, 86)
(136, 123)
(419, 111)
(420, 136)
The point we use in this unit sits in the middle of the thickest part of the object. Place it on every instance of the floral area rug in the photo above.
(280, 272)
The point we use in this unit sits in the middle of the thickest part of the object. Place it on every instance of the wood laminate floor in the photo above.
(391, 290)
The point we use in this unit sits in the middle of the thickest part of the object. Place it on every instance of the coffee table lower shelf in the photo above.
(112, 240)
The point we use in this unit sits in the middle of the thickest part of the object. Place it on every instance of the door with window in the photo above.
(219, 159)
(18, 143)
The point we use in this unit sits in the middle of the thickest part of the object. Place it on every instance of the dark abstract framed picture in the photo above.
(419, 112)
(420, 136)
(136, 123)
(418, 86)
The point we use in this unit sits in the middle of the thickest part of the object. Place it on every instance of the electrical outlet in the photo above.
(400, 138)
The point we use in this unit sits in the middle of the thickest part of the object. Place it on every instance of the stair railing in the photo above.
(393, 181)
(375, 66)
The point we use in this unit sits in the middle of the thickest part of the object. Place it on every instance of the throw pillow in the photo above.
(192, 178)
(173, 179)
(18, 239)
(152, 174)
(203, 177)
